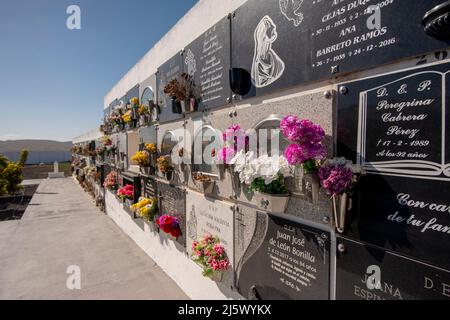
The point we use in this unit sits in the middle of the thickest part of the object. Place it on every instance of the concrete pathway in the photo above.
(61, 228)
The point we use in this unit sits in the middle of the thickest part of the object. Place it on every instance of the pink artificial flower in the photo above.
(226, 154)
(219, 249)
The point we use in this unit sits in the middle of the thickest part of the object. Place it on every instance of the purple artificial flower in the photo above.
(314, 151)
(290, 127)
(294, 154)
(301, 131)
(297, 154)
(230, 133)
(335, 179)
(310, 132)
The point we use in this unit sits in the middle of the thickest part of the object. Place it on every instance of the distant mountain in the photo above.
(34, 146)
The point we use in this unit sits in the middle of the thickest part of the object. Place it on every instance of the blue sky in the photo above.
(53, 80)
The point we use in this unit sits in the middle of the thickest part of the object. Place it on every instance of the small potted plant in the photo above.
(210, 254)
(169, 225)
(306, 150)
(338, 177)
(165, 166)
(204, 182)
(265, 176)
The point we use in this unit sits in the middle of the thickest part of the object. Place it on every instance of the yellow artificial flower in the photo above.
(134, 101)
(142, 158)
(142, 110)
(150, 147)
(127, 116)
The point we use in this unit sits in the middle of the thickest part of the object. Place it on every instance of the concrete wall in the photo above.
(166, 253)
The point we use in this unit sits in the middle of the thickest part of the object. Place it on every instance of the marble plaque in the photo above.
(207, 216)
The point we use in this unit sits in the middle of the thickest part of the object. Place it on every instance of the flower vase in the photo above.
(145, 170)
(176, 106)
(216, 276)
(208, 186)
(340, 208)
(190, 105)
(312, 185)
(142, 121)
(275, 203)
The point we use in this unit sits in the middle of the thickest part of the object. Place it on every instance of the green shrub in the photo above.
(11, 173)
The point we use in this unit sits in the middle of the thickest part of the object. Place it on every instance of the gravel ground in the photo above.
(13, 207)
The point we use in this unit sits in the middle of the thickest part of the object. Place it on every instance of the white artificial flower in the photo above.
(239, 161)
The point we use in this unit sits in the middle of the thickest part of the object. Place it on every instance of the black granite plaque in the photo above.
(133, 93)
(207, 60)
(396, 126)
(172, 201)
(170, 70)
(134, 180)
(283, 43)
(292, 262)
(149, 187)
(369, 273)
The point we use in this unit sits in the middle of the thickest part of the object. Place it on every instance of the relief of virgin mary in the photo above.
(267, 65)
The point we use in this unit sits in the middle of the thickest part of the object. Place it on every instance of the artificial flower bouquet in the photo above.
(127, 117)
(182, 94)
(111, 181)
(306, 150)
(210, 254)
(234, 140)
(116, 119)
(338, 177)
(146, 208)
(265, 175)
(169, 225)
(126, 192)
(164, 165)
(150, 148)
(142, 158)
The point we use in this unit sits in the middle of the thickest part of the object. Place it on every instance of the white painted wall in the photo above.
(88, 136)
(169, 256)
(200, 18)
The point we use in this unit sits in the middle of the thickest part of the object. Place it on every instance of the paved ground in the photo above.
(31, 182)
(62, 227)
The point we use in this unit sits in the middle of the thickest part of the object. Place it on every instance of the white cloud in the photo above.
(9, 136)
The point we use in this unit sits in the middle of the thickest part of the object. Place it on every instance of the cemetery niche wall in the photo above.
(396, 127)
(280, 44)
(379, 94)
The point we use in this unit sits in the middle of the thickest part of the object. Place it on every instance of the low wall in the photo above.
(168, 255)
